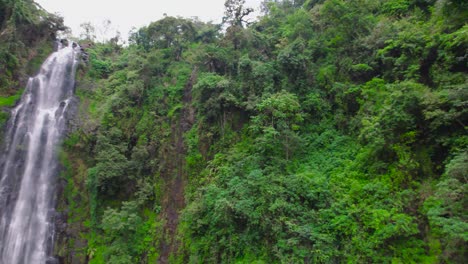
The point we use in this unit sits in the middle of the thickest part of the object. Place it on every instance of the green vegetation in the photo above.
(328, 131)
(10, 100)
(26, 34)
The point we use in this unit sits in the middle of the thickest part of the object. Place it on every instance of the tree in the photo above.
(278, 119)
(88, 31)
(215, 97)
(168, 33)
(446, 209)
(235, 16)
(235, 13)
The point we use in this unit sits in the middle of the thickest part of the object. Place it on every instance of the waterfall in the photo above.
(28, 161)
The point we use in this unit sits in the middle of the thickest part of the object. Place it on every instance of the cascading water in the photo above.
(28, 164)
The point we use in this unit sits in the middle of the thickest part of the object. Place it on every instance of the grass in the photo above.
(10, 100)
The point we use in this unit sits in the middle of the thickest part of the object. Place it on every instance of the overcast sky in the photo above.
(125, 14)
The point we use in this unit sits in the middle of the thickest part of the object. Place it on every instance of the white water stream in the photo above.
(28, 161)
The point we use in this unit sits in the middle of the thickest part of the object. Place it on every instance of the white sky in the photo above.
(126, 14)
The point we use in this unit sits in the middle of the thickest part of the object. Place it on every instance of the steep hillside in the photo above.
(329, 131)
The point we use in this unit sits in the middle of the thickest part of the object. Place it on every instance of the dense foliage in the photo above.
(27, 33)
(328, 131)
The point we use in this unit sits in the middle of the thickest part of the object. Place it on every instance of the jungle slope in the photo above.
(329, 131)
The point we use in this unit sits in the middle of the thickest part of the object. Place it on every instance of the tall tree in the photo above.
(235, 13)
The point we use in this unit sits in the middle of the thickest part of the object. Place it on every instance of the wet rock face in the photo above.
(71, 116)
(65, 42)
(84, 56)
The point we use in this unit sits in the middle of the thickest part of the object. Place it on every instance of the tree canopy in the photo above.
(326, 131)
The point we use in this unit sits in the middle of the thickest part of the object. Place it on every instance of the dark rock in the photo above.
(64, 42)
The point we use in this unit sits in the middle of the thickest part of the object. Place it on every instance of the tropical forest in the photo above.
(322, 131)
